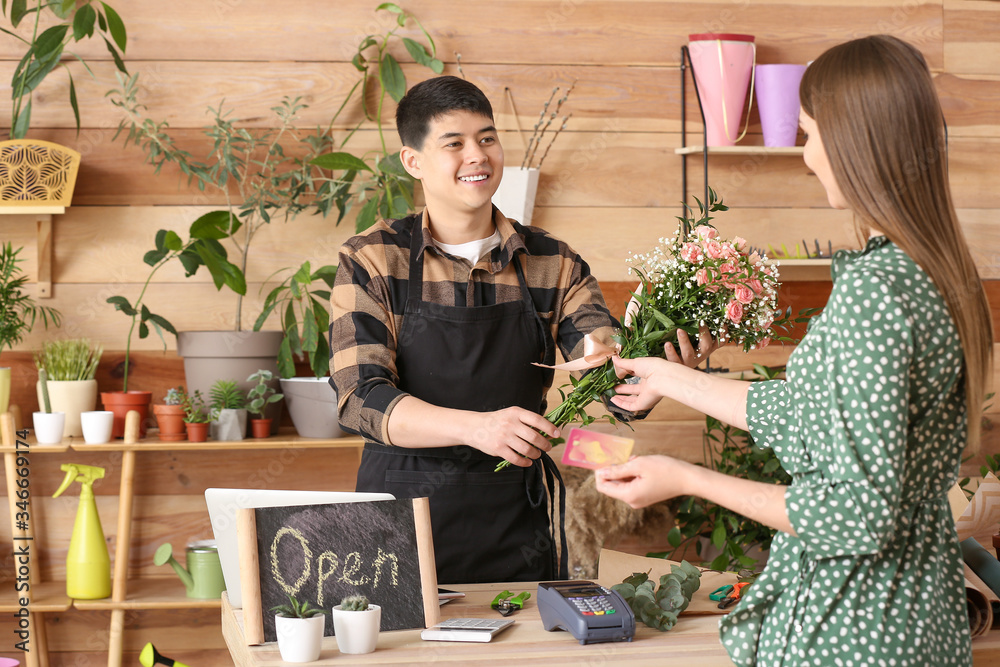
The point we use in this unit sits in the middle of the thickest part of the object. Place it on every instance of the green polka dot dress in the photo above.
(870, 424)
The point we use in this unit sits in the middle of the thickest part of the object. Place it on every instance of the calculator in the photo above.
(588, 611)
(466, 629)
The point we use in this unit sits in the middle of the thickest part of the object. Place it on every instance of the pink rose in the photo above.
(729, 252)
(762, 343)
(734, 312)
(755, 285)
(690, 252)
(706, 232)
(727, 268)
(713, 249)
(743, 294)
(754, 258)
(739, 243)
(701, 277)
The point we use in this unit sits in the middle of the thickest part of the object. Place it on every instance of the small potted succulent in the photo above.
(356, 623)
(228, 411)
(170, 415)
(299, 628)
(259, 396)
(195, 417)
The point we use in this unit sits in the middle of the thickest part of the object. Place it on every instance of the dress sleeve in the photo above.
(363, 341)
(771, 418)
(848, 507)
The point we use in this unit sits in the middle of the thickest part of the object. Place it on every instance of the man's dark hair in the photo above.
(433, 98)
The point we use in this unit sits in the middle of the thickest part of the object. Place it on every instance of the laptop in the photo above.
(222, 506)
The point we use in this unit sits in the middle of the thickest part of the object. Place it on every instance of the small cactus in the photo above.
(354, 603)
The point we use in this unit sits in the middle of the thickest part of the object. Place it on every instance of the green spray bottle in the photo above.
(88, 568)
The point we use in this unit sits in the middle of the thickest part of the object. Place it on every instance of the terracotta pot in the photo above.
(120, 403)
(261, 428)
(170, 419)
(197, 431)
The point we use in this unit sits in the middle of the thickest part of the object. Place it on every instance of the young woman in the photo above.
(882, 396)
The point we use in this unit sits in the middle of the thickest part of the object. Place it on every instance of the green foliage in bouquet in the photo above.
(659, 607)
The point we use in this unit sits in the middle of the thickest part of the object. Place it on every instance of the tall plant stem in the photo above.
(131, 329)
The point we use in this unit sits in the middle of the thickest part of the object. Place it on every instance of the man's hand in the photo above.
(514, 434)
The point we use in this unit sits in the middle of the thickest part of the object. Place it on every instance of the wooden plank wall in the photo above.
(611, 185)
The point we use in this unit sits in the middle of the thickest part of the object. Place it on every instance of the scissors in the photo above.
(734, 595)
(507, 605)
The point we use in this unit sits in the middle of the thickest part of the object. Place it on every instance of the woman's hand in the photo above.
(688, 355)
(643, 480)
(642, 395)
(514, 434)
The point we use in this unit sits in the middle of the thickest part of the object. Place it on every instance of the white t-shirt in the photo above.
(473, 250)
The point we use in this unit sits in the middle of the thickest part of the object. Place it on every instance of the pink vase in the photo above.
(722, 66)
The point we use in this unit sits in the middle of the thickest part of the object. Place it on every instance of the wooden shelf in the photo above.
(46, 596)
(35, 448)
(274, 442)
(740, 150)
(152, 593)
(803, 269)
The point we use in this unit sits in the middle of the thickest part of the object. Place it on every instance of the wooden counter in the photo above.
(693, 642)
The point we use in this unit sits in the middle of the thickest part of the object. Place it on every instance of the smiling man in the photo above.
(436, 321)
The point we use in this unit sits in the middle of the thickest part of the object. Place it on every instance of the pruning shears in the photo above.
(507, 605)
(734, 595)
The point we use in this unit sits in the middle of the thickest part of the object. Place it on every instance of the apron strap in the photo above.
(543, 475)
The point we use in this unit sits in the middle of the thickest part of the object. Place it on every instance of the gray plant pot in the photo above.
(312, 404)
(230, 426)
(230, 355)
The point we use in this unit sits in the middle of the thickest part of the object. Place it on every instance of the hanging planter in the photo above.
(35, 173)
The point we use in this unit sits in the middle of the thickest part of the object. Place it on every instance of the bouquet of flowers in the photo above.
(692, 280)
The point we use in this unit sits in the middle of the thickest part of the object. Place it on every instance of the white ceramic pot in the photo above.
(49, 427)
(299, 639)
(71, 397)
(357, 631)
(96, 426)
(230, 426)
(312, 404)
(515, 196)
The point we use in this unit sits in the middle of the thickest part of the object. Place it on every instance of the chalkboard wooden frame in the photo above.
(402, 526)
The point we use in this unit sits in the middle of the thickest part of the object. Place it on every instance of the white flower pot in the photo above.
(96, 426)
(299, 639)
(357, 631)
(515, 197)
(71, 397)
(49, 427)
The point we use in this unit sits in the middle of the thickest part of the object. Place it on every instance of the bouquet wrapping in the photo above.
(695, 279)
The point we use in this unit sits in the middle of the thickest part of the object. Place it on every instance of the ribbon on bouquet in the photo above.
(595, 353)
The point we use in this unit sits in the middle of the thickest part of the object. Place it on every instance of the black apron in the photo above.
(488, 526)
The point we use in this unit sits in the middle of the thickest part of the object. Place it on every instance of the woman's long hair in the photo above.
(881, 123)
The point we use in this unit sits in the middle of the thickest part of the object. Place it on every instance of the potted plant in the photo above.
(299, 628)
(18, 312)
(70, 366)
(195, 417)
(264, 177)
(201, 248)
(260, 395)
(228, 410)
(48, 425)
(305, 322)
(170, 415)
(356, 624)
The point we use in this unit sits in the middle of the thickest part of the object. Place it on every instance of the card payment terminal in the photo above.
(588, 611)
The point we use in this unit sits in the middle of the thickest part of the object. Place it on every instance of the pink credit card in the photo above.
(588, 449)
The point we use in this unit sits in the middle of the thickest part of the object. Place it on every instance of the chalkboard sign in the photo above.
(322, 553)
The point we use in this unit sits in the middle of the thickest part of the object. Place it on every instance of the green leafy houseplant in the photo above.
(295, 609)
(728, 450)
(226, 395)
(18, 311)
(659, 608)
(201, 248)
(261, 394)
(67, 360)
(305, 319)
(261, 177)
(74, 21)
(194, 408)
(175, 396)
